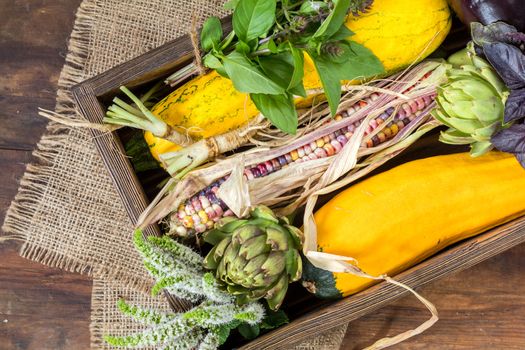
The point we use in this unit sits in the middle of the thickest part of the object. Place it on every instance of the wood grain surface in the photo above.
(42, 308)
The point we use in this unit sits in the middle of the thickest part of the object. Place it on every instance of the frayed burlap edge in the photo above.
(106, 318)
(33, 186)
(33, 183)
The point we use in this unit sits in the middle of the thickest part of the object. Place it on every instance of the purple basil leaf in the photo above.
(509, 62)
(478, 50)
(521, 158)
(515, 105)
(498, 32)
(517, 39)
(492, 33)
(510, 140)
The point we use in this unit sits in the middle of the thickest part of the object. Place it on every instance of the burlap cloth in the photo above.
(67, 211)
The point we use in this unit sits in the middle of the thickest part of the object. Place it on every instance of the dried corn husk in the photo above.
(290, 187)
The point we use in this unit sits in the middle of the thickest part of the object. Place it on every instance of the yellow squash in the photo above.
(402, 32)
(394, 220)
(158, 146)
(399, 33)
(203, 107)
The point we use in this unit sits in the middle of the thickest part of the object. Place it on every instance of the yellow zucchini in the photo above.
(396, 219)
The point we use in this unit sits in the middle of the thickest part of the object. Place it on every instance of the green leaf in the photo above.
(223, 331)
(298, 67)
(286, 70)
(312, 7)
(337, 51)
(358, 62)
(298, 90)
(279, 109)
(269, 45)
(334, 21)
(139, 153)
(361, 63)
(274, 319)
(230, 5)
(253, 18)
(342, 33)
(213, 62)
(249, 332)
(227, 41)
(330, 79)
(247, 77)
(279, 68)
(211, 33)
(243, 48)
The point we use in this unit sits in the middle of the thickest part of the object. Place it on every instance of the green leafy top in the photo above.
(264, 54)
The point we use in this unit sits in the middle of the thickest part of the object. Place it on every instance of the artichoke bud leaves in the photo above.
(471, 103)
(255, 257)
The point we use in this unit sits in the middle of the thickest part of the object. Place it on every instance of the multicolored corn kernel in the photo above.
(330, 150)
(200, 212)
(312, 156)
(320, 152)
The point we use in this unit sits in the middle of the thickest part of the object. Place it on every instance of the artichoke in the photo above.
(256, 257)
(471, 103)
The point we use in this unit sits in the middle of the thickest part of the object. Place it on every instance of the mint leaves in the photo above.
(264, 54)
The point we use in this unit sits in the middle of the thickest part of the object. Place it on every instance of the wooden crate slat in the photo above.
(145, 68)
(160, 62)
(464, 255)
(120, 170)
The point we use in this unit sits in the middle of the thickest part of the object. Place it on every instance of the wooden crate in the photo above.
(94, 95)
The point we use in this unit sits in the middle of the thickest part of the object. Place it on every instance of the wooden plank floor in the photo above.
(40, 308)
(43, 308)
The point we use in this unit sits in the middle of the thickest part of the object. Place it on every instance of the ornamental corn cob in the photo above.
(200, 212)
(288, 183)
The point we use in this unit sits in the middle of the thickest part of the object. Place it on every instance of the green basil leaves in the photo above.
(264, 54)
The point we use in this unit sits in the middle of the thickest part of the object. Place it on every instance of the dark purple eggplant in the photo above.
(488, 11)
